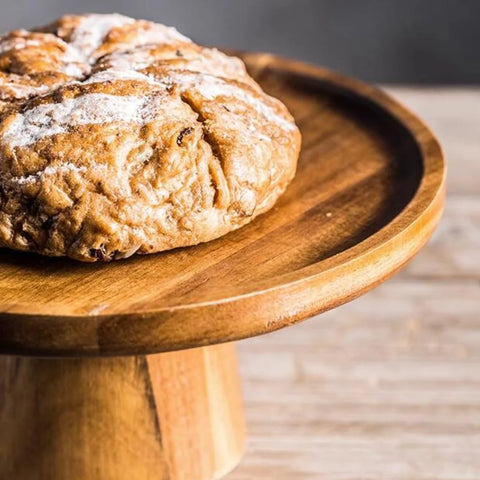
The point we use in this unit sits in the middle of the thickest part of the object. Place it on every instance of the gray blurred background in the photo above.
(400, 41)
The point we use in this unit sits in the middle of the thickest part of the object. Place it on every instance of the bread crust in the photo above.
(120, 136)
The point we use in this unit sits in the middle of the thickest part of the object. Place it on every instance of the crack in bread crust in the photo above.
(215, 165)
(120, 136)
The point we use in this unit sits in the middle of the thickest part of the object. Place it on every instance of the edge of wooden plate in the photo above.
(278, 305)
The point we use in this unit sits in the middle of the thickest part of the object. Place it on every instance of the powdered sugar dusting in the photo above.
(208, 86)
(17, 42)
(88, 36)
(221, 66)
(48, 171)
(75, 64)
(73, 70)
(203, 72)
(11, 86)
(135, 60)
(50, 119)
(211, 87)
(206, 61)
(72, 59)
(157, 33)
(113, 74)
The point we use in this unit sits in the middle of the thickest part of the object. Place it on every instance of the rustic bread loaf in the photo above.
(120, 136)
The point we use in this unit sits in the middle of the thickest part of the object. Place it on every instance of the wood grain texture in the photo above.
(386, 387)
(173, 416)
(367, 196)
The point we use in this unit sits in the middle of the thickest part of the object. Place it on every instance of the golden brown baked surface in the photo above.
(120, 136)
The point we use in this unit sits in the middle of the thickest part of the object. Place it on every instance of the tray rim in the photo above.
(187, 326)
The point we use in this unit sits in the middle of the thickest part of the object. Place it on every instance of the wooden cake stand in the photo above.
(107, 405)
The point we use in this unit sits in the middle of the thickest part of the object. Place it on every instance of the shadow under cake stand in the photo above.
(122, 371)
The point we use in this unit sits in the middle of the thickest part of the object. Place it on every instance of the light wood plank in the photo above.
(388, 386)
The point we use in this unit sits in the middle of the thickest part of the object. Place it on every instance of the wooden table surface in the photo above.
(388, 386)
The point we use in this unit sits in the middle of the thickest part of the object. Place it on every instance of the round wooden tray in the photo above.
(367, 195)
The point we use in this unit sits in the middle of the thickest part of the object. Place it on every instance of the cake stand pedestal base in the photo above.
(367, 195)
(176, 416)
